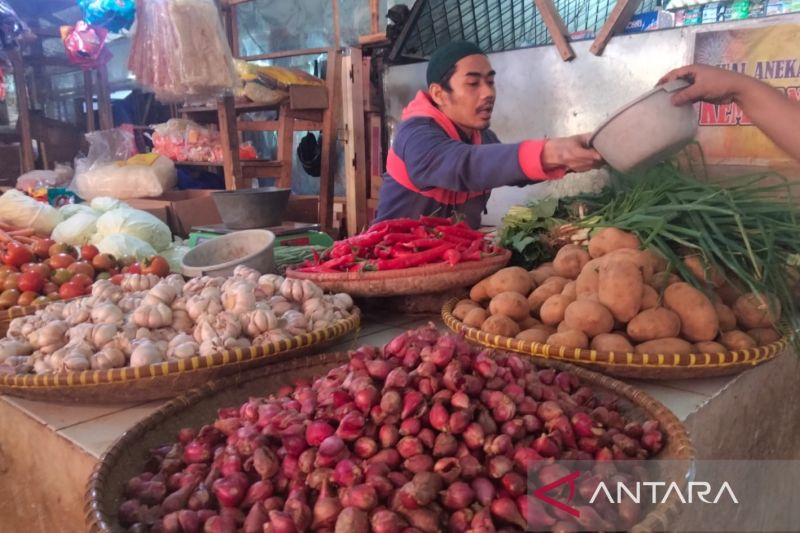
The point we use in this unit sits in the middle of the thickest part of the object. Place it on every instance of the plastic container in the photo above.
(252, 208)
(218, 257)
(647, 130)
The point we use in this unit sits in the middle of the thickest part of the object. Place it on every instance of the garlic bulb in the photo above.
(152, 316)
(181, 321)
(107, 313)
(247, 273)
(102, 334)
(145, 353)
(107, 358)
(269, 285)
(257, 322)
(239, 297)
(104, 290)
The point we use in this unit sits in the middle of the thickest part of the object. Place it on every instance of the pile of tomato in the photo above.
(47, 271)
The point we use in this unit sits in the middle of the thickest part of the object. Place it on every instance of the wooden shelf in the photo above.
(244, 107)
(198, 163)
(266, 163)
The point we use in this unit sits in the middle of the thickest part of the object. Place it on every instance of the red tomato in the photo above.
(81, 279)
(17, 254)
(156, 265)
(40, 268)
(11, 281)
(134, 268)
(49, 288)
(104, 262)
(31, 282)
(61, 248)
(82, 267)
(71, 290)
(61, 260)
(61, 276)
(88, 252)
(41, 247)
(117, 279)
(27, 298)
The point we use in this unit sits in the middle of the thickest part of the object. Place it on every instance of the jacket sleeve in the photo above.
(433, 159)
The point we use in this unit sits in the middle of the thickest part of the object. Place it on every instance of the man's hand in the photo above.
(709, 84)
(573, 153)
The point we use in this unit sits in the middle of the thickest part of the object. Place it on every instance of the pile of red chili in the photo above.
(404, 243)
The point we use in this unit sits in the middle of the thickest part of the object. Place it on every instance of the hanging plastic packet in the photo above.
(85, 45)
(114, 15)
(11, 26)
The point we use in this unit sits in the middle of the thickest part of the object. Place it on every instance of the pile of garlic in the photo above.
(148, 320)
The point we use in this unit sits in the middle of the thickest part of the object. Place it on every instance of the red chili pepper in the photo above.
(417, 259)
(460, 231)
(399, 251)
(366, 239)
(340, 249)
(392, 238)
(452, 257)
(458, 240)
(383, 252)
(338, 262)
(396, 225)
(436, 221)
(420, 232)
(423, 243)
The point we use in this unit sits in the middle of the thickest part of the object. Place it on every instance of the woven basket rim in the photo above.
(656, 519)
(502, 256)
(127, 375)
(18, 311)
(731, 359)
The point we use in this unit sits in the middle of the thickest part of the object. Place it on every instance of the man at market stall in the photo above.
(766, 107)
(444, 158)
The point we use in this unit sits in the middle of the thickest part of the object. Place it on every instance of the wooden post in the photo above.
(104, 99)
(328, 152)
(229, 136)
(355, 158)
(375, 20)
(556, 27)
(26, 141)
(88, 92)
(336, 25)
(617, 20)
(285, 145)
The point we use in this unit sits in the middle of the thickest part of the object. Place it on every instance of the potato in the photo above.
(478, 291)
(589, 317)
(703, 271)
(764, 336)
(509, 303)
(542, 293)
(668, 346)
(727, 320)
(588, 280)
(636, 256)
(611, 342)
(620, 288)
(542, 272)
(729, 293)
(475, 317)
(569, 339)
(737, 340)
(552, 311)
(610, 239)
(463, 307)
(699, 320)
(569, 290)
(514, 279)
(500, 325)
(709, 347)
(569, 261)
(528, 323)
(755, 311)
(655, 323)
(556, 280)
(533, 335)
(662, 280)
(658, 261)
(649, 297)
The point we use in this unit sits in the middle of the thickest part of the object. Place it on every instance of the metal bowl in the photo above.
(647, 130)
(252, 208)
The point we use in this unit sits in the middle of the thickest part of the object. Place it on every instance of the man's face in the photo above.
(471, 101)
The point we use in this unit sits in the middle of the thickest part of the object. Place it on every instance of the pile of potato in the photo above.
(616, 297)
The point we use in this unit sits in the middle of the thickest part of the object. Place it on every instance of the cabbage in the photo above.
(135, 223)
(73, 209)
(120, 245)
(106, 203)
(20, 210)
(76, 230)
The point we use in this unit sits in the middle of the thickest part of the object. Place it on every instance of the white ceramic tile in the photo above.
(96, 436)
(706, 386)
(681, 403)
(61, 415)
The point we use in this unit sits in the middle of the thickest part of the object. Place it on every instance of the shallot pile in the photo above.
(427, 435)
(148, 320)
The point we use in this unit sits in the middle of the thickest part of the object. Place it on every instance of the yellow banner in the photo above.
(771, 54)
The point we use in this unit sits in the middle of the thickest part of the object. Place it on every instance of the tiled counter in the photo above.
(48, 450)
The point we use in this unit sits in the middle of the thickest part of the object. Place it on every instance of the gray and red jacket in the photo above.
(432, 169)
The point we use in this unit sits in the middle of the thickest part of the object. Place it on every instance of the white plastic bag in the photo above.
(105, 203)
(18, 209)
(135, 223)
(120, 245)
(76, 230)
(174, 255)
(69, 210)
(37, 179)
(129, 181)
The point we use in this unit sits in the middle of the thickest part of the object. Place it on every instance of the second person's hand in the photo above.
(572, 153)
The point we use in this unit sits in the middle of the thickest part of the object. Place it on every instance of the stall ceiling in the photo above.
(44, 13)
(495, 25)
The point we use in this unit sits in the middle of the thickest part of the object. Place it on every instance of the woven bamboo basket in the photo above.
(418, 280)
(7, 315)
(626, 365)
(126, 457)
(167, 380)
